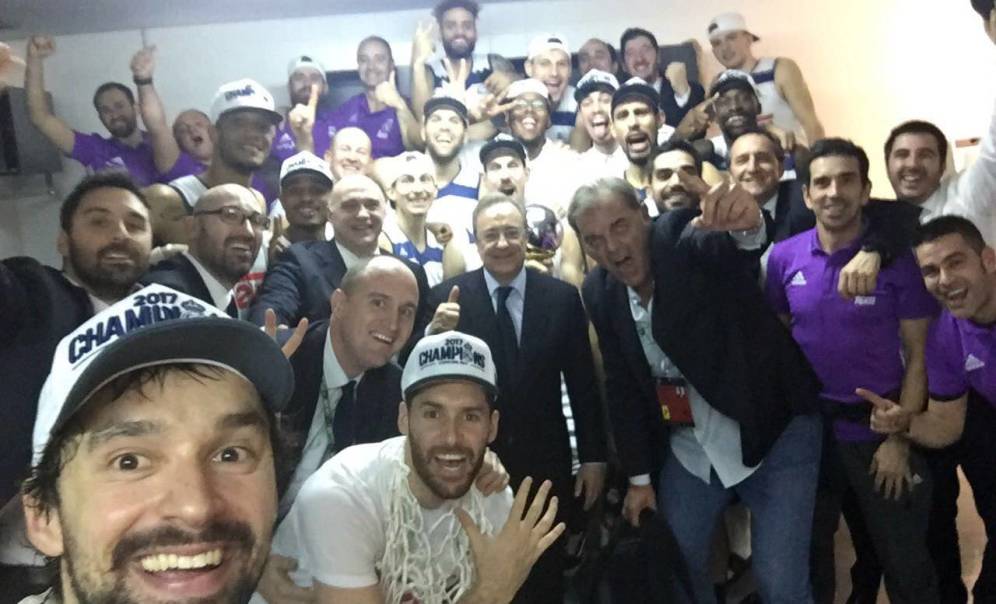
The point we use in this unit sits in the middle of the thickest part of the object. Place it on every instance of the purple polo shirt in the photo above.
(850, 343)
(321, 134)
(100, 154)
(961, 355)
(186, 165)
(382, 126)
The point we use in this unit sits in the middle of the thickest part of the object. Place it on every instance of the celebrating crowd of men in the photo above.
(391, 351)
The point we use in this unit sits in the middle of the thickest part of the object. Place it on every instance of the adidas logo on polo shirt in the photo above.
(799, 279)
(972, 363)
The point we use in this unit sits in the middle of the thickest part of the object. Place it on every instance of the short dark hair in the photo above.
(983, 7)
(676, 145)
(112, 86)
(951, 225)
(636, 32)
(375, 38)
(493, 199)
(836, 147)
(779, 151)
(612, 52)
(112, 179)
(918, 127)
(441, 9)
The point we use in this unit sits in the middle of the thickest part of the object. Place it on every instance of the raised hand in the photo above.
(696, 120)
(292, 343)
(503, 561)
(726, 206)
(441, 231)
(493, 476)
(424, 42)
(785, 138)
(302, 117)
(677, 75)
(887, 417)
(456, 74)
(143, 64)
(447, 314)
(492, 105)
(387, 93)
(41, 47)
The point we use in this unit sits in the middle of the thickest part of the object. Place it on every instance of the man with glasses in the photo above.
(225, 232)
(508, 306)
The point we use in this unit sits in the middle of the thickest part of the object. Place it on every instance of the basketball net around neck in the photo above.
(409, 567)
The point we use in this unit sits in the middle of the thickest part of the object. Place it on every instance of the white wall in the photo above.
(869, 64)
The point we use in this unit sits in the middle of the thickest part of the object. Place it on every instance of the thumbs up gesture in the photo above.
(887, 416)
(387, 92)
(726, 206)
(447, 314)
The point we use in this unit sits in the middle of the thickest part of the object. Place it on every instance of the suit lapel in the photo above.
(629, 341)
(534, 325)
(191, 276)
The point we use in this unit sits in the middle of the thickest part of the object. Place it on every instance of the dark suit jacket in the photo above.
(532, 432)
(711, 319)
(38, 307)
(791, 214)
(377, 397)
(302, 280)
(180, 274)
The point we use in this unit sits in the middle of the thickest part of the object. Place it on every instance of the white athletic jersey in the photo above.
(594, 164)
(337, 529)
(455, 202)
(554, 175)
(563, 117)
(773, 104)
(431, 258)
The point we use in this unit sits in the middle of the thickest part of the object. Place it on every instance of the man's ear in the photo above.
(213, 134)
(805, 196)
(336, 299)
(989, 259)
(62, 244)
(493, 433)
(528, 65)
(43, 527)
(403, 418)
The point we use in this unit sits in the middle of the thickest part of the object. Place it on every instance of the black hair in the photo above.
(918, 127)
(113, 86)
(468, 5)
(779, 150)
(983, 7)
(113, 179)
(951, 225)
(836, 147)
(677, 145)
(636, 32)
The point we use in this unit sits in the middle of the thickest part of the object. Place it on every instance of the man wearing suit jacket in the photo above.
(537, 328)
(105, 239)
(225, 231)
(709, 391)
(301, 282)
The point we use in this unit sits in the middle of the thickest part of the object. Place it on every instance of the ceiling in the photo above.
(20, 18)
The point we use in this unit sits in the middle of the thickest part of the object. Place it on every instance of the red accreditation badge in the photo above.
(672, 395)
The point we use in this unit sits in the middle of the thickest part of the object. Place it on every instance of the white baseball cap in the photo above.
(305, 63)
(545, 42)
(520, 87)
(306, 161)
(409, 162)
(243, 94)
(156, 325)
(595, 79)
(450, 355)
(727, 22)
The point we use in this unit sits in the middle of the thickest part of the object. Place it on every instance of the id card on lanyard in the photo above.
(672, 396)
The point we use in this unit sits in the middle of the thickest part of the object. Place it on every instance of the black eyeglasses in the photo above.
(235, 216)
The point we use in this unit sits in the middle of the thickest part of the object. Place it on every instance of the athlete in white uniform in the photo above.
(549, 61)
(410, 184)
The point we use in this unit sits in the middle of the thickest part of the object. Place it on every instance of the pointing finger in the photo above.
(316, 90)
(882, 404)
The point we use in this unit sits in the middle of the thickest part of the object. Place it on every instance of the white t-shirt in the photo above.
(337, 527)
(553, 177)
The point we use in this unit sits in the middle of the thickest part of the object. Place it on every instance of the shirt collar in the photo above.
(332, 372)
(348, 257)
(772, 204)
(848, 250)
(636, 305)
(518, 283)
(220, 295)
(99, 305)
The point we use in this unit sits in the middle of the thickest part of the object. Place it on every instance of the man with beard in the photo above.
(457, 175)
(782, 91)
(635, 120)
(552, 165)
(350, 152)
(128, 149)
(670, 167)
(380, 110)
(304, 277)
(156, 455)
(894, 496)
(308, 126)
(411, 187)
(549, 61)
(485, 73)
(225, 234)
(594, 95)
(597, 54)
(104, 241)
(707, 387)
(640, 59)
(401, 520)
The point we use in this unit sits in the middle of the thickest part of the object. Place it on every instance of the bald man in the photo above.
(305, 275)
(225, 232)
(349, 153)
